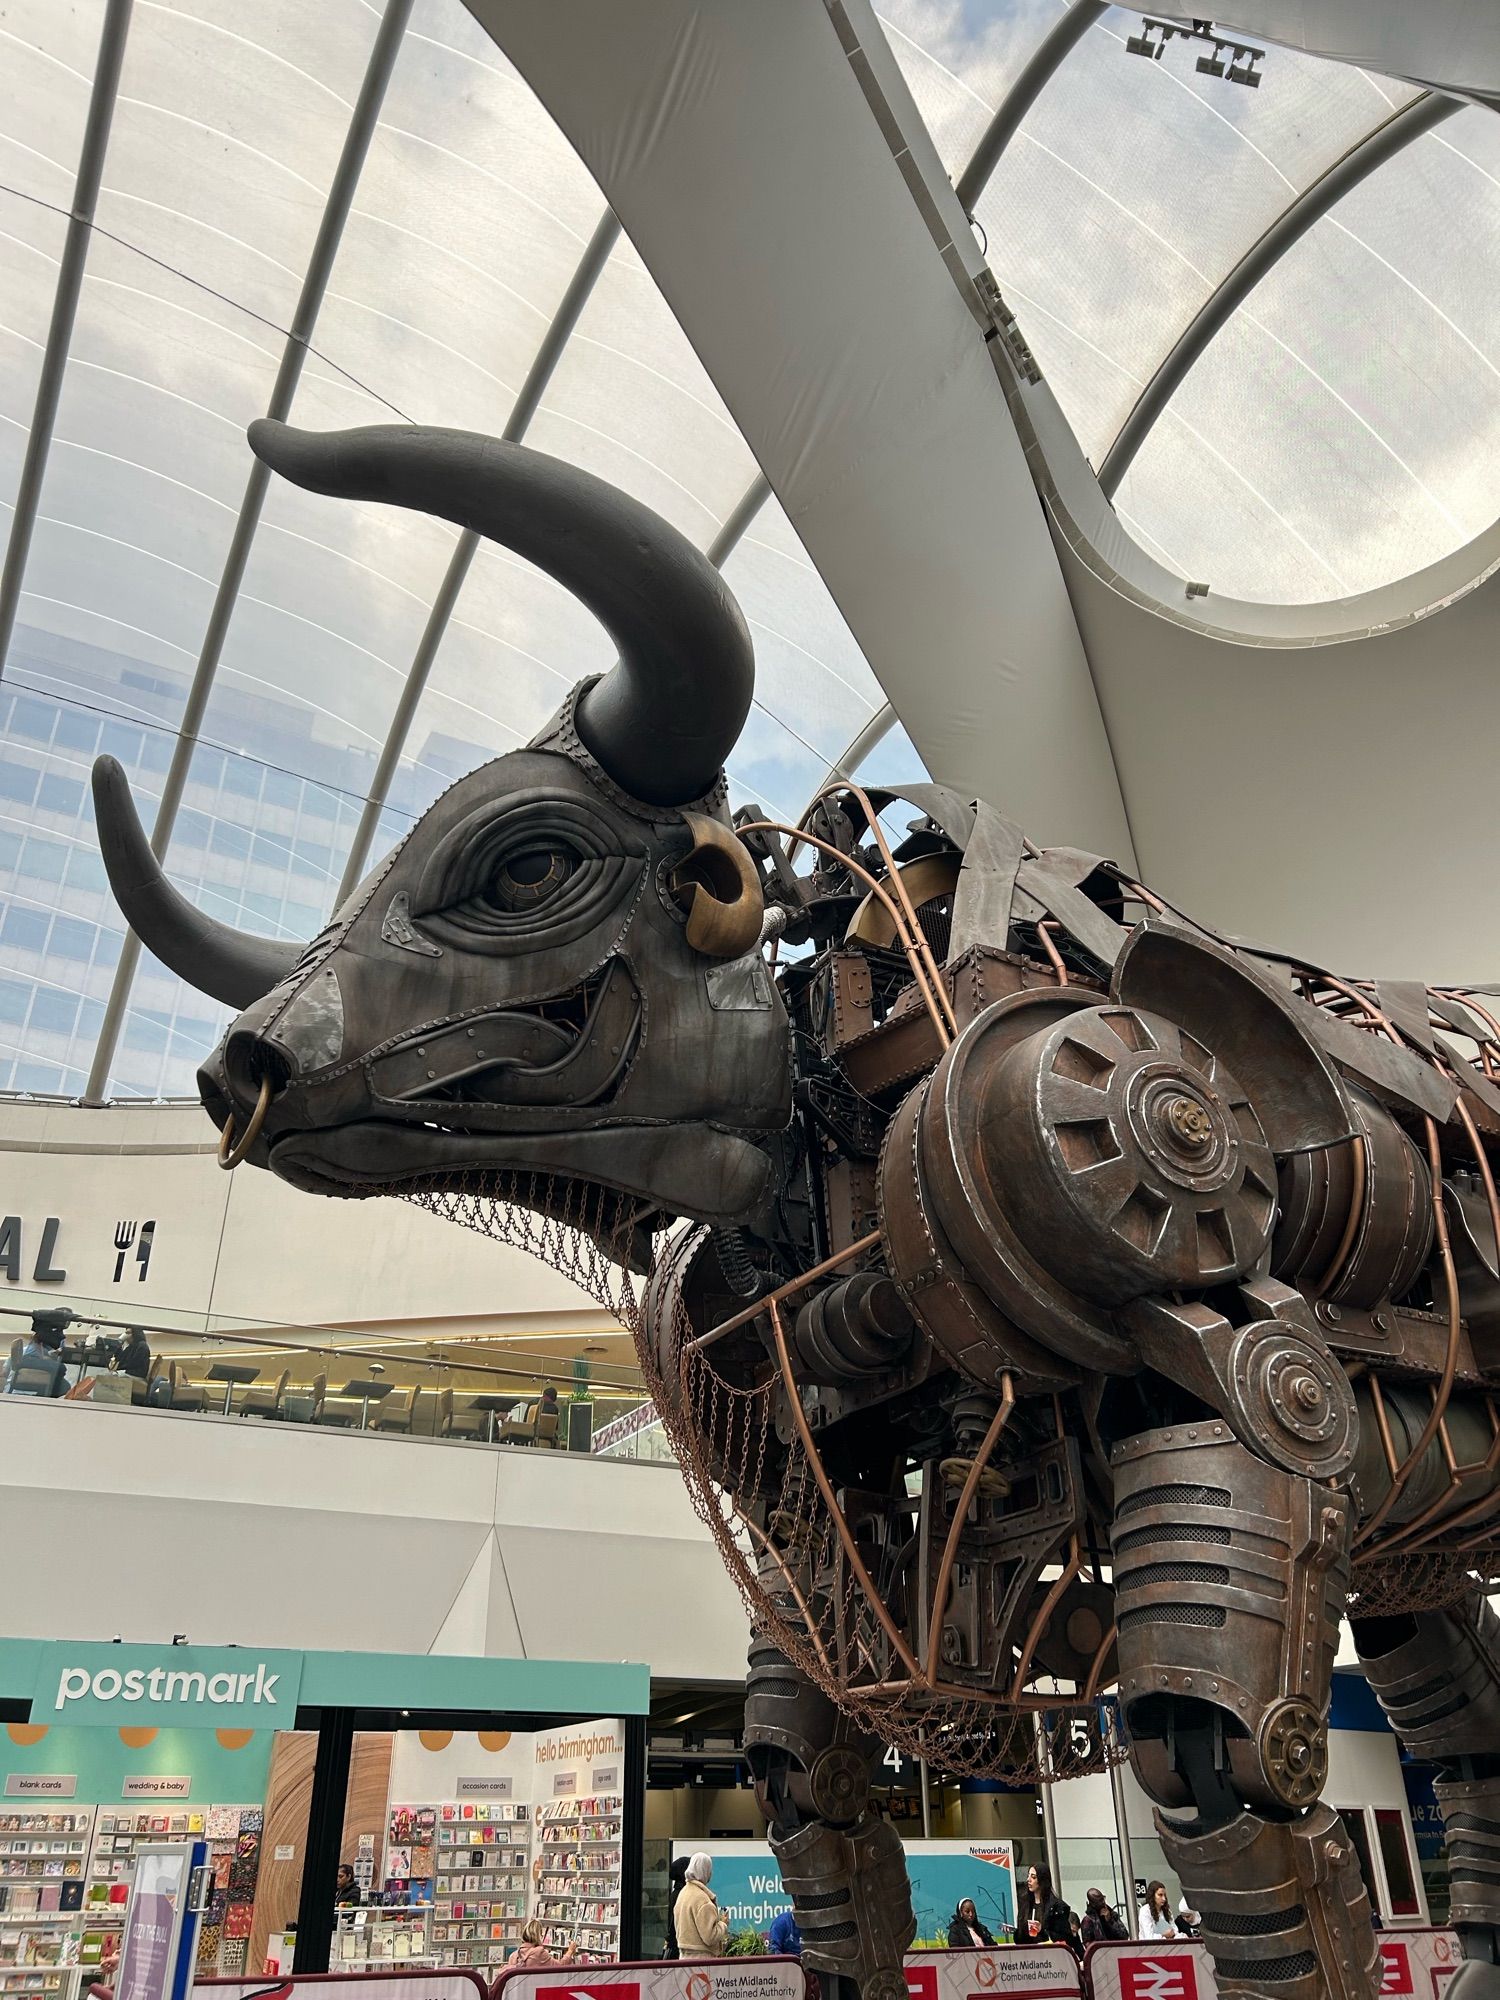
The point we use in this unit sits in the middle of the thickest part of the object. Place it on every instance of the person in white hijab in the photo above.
(702, 1927)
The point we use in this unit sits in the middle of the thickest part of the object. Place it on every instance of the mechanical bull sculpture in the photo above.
(1042, 1293)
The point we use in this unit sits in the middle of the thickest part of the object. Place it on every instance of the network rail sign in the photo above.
(170, 1686)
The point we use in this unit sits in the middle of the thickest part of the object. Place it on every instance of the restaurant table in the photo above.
(367, 1392)
(233, 1374)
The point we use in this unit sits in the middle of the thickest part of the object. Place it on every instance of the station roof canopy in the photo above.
(734, 259)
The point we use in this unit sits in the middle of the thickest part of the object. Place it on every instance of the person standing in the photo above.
(1045, 1917)
(1154, 1918)
(966, 1932)
(702, 1927)
(676, 1876)
(345, 1887)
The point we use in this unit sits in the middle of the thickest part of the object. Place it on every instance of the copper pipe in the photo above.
(1043, 932)
(893, 875)
(915, 938)
(1096, 1670)
(918, 969)
(785, 1291)
(1143, 895)
(1457, 1474)
(1383, 1425)
(830, 1501)
(1450, 1361)
(1352, 1221)
(955, 1533)
(1048, 1605)
(807, 1618)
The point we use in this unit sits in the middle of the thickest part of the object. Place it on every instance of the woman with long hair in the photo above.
(1154, 1918)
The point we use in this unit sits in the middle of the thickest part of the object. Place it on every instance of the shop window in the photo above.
(1390, 1831)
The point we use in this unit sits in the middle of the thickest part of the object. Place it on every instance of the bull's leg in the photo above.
(1437, 1674)
(843, 1867)
(1230, 1577)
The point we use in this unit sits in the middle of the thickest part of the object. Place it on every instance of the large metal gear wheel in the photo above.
(1132, 1159)
(1293, 1747)
(1293, 1401)
(839, 1783)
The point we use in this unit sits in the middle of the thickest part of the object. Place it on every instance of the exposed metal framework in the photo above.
(1293, 223)
(102, 96)
(528, 399)
(341, 191)
(1048, 56)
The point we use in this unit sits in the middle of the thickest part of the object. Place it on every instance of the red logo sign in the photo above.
(580, 1989)
(1395, 1967)
(921, 1982)
(1149, 1976)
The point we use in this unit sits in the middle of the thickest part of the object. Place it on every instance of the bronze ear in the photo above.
(717, 886)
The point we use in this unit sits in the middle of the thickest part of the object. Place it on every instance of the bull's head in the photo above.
(556, 974)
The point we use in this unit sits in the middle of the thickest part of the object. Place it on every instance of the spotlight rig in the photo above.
(1237, 61)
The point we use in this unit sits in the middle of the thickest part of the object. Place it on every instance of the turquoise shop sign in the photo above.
(212, 1687)
(256, 1687)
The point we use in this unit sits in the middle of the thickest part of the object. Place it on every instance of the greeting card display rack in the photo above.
(578, 1874)
(483, 1875)
(42, 1859)
(233, 1836)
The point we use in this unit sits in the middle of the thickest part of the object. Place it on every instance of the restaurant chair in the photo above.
(183, 1392)
(520, 1430)
(304, 1403)
(548, 1423)
(392, 1412)
(263, 1399)
(426, 1413)
(466, 1422)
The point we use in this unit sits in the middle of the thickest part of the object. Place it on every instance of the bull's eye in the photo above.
(527, 878)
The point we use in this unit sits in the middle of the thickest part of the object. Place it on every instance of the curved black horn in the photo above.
(667, 715)
(230, 965)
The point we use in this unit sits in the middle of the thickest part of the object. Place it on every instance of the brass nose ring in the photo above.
(229, 1159)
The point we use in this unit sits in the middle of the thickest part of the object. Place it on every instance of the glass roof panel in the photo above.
(1132, 186)
(1344, 428)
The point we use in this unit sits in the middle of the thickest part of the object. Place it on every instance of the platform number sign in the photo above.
(896, 1770)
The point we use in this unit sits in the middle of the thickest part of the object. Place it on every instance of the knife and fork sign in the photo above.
(125, 1237)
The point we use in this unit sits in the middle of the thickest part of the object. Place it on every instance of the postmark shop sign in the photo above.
(192, 1686)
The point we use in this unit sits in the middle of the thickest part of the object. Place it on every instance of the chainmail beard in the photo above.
(757, 1492)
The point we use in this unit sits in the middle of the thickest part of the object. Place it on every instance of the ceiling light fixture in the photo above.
(1237, 62)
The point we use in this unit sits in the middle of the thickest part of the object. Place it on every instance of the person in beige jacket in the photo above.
(702, 1927)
